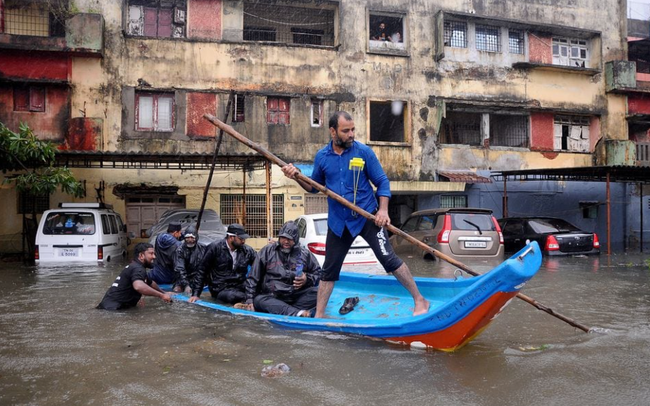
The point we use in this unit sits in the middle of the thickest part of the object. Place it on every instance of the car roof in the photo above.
(318, 216)
(532, 218)
(451, 210)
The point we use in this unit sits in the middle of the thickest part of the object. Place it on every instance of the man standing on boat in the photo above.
(348, 167)
(133, 282)
(284, 277)
(224, 267)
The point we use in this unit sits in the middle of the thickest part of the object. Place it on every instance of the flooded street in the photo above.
(58, 350)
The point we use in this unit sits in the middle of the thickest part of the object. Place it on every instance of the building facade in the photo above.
(444, 93)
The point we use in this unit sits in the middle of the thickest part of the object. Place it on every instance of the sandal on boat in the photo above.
(348, 305)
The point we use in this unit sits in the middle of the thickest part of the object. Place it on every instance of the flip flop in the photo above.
(348, 305)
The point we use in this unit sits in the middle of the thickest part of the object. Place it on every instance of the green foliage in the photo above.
(34, 159)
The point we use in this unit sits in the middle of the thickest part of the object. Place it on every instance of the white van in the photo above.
(88, 232)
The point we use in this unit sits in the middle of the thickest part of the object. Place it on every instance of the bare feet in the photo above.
(421, 307)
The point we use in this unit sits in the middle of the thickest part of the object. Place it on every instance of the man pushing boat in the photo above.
(348, 167)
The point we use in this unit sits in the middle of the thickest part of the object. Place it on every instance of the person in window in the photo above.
(166, 245)
(133, 282)
(284, 277)
(188, 259)
(224, 267)
(381, 33)
(333, 168)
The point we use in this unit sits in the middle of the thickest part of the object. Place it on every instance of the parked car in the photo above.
(84, 232)
(211, 229)
(555, 236)
(312, 229)
(460, 233)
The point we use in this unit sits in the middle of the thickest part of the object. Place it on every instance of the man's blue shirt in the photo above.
(333, 171)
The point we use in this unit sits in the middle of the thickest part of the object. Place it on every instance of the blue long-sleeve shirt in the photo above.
(333, 171)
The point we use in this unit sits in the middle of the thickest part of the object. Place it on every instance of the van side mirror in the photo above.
(124, 227)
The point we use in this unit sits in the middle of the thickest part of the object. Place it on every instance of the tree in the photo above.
(30, 162)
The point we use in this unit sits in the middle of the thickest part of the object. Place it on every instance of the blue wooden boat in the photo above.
(460, 308)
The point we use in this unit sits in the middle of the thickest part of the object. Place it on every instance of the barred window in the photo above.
(455, 34)
(29, 203)
(252, 212)
(516, 41)
(238, 115)
(453, 201)
(488, 38)
(461, 128)
(509, 130)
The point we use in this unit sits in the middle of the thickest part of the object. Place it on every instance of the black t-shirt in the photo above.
(121, 294)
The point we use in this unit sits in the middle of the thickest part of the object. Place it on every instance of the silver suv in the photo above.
(461, 233)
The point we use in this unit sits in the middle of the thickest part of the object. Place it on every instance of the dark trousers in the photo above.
(337, 249)
(304, 299)
(230, 295)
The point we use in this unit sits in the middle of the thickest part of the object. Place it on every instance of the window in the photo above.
(516, 41)
(571, 133)
(157, 18)
(278, 110)
(509, 130)
(455, 34)
(113, 224)
(259, 34)
(307, 36)
(316, 113)
(386, 32)
(488, 38)
(32, 19)
(252, 212)
(387, 121)
(274, 22)
(154, 112)
(461, 128)
(570, 52)
(29, 203)
(589, 209)
(29, 98)
(238, 109)
(106, 226)
(453, 201)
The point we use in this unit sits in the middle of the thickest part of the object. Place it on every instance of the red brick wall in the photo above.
(638, 105)
(199, 104)
(540, 49)
(541, 129)
(204, 19)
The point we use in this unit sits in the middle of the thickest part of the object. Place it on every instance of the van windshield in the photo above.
(69, 223)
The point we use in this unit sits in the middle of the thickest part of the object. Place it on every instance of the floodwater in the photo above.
(56, 349)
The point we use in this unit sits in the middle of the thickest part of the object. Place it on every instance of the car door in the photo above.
(400, 245)
(513, 235)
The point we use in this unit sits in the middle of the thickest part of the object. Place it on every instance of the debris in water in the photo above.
(276, 371)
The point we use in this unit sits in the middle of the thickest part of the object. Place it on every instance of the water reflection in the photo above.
(57, 349)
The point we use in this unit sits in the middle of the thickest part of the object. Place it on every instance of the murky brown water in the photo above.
(56, 349)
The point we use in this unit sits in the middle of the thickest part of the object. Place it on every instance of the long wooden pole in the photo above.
(268, 155)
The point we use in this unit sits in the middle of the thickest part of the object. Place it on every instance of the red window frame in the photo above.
(154, 113)
(158, 22)
(29, 98)
(278, 110)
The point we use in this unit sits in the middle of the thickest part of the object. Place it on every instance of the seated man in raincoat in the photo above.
(284, 278)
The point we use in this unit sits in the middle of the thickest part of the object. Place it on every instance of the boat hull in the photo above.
(460, 308)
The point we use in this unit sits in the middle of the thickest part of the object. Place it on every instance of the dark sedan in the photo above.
(555, 236)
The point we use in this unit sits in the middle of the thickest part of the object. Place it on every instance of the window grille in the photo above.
(509, 130)
(252, 212)
(516, 41)
(462, 128)
(238, 109)
(28, 203)
(287, 24)
(315, 204)
(455, 34)
(35, 20)
(453, 201)
(488, 38)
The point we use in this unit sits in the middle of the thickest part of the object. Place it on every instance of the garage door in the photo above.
(144, 211)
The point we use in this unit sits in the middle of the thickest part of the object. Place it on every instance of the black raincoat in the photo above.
(274, 270)
(188, 260)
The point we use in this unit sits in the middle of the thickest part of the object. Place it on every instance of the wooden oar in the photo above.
(268, 155)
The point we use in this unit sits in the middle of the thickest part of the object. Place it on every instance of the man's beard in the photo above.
(342, 144)
(285, 250)
(190, 245)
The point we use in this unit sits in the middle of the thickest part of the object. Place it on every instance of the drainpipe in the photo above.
(505, 197)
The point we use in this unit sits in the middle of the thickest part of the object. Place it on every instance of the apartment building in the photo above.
(444, 92)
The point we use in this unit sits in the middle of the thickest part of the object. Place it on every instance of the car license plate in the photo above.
(475, 244)
(356, 252)
(68, 252)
